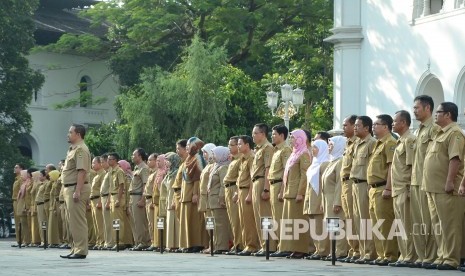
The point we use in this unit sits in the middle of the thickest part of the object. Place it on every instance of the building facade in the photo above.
(387, 52)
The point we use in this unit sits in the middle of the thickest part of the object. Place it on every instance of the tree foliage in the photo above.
(17, 82)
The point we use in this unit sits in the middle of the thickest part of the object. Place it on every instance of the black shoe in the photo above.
(341, 258)
(231, 252)
(429, 266)
(150, 248)
(296, 255)
(197, 249)
(244, 253)
(462, 268)
(220, 252)
(415, 265)
(179, 250)
(385, 262)
(66, 256)
(54, 246)
(14, 245)
(353, 259)
(260, 253)
(77, 256)
(314, 257)
(446, 267)
(281, 254)
(375, 262)
(363, 261)
(114, 248)
(139, 247)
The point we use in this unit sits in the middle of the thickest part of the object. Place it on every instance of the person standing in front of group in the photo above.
(75, 179)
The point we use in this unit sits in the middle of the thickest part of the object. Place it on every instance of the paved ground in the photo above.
(35, 261)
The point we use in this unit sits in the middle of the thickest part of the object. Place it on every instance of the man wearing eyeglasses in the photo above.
(443, 172)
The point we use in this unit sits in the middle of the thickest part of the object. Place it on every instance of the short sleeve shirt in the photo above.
(77, 158)
(401, 170)
(278, 162)
(141, 175)
(380, 160)
(361, 155)
(348, 156)
(244, 178)
(233, 169)
(424, 134)
(117, 178)
(262, 160)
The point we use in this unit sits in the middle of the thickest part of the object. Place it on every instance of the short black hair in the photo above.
(308, 133)
(21, 166)
(43, 173)
(366, 122)
(115, 155)
(281, 129)
(182, 143)
(425, 100)
(154, 154)
(451, 108)
(142, 154)
(247, 140)
(104, 156)
(51, 167)
(234, 138)
(262, 127)
(63, 161)
(386, 119)
(31, 170)
(351, 119)
(405, 116)
(324, 135)
(80, 129)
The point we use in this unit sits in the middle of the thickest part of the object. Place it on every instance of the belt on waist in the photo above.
(276, 181)
(62, 201)
(72, 184)
(39, 203)
(226, 185)
(359, 180)
(345, 178)
(376, 185)
(177, 189)
(257, 177)
(114, 193)
(148, 197)
(104, 195)
(46, 200)
(240, 188)
(14, 200)
(94, 197)
(135, 193)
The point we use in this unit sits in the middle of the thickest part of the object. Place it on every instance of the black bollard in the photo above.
(267, 246)
(20, 235)
(211, 243)
(333, 251)
(117, 240)
(161, 241)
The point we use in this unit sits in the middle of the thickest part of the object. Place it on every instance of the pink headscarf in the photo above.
(162, 169)
(299, 148)
(22, 190)
(125, 166)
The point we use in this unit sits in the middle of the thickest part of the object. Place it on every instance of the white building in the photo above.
(387, 52)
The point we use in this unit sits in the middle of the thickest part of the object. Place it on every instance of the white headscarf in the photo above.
(313, 172)
(208, 149)
(339, 143)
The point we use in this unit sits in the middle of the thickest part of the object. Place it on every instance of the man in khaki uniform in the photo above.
(39, 201)
(149, 204)
(358, 175)
(244, 198)
(75, 179)
(261, 185)
(230, 188)
(14, 196)
(275, 176)
(96, 203)
(443, 172)
(105, 199)
(401, 173)
(54, 230)
(182, 153)
(137, 201)
(348, 126)
(423, 236)
(379, 180)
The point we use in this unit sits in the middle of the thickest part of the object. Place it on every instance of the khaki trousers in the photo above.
(222, 229)
(261, 208)
(341, 244)
(361, 217)
(248, 225)
(53, 232)
(233, 215)
(25, 229)
(348, 208)
(35, 229)
(119, 213)
(447, 217)
(402, 213)
(90, 227)
(107, 223)
(97, 217)
(17, 220)
(172, 229)
(422, 232)
(46, 209)
(277, 208)
(155, 232)
(77, 219)
(139, 220)
(65, 226)
(382, 209)
(40, 219)
(191, 226)
(293, 239)
(150, 221)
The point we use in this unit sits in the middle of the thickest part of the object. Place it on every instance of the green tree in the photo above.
(18, 82)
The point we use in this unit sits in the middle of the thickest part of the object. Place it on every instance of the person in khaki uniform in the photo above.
(358, 175)
(137, 201)
(423, 236)
(39, 202)
(75, 179)
(128, 238)
(96, 203)
(313, 203)
(261, 185)
(275, 177)
(293, 193)
(22, 208)
(244, 198)
(90, 221)
(442, 175)
(182, 152)
(348, 126)
(230, 189)
(149, 202)
(401, 172)
(216, 203)
(162, 169)
(47, 189)
(54, 220)
(34, 175)
(167, 198)
(331, 190)
(203, 196)
(379, 180)
(105, 199)
(14, 198)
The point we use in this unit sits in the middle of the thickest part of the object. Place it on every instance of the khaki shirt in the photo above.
(214, 185)
(296, 183)
(401, 170)
(262, 160)
(348, 156)
(424, 134)
(77, 158)
(331, 182)
(361, 155)
(279, 160)
(97, 183)
(378, 166)
(47, 188)
(148, 188)
(117, 180)
(16, 187)
(141, 175)
(105, 187)
(40, 189)
(448, 143)
(233, 169)
(178, 180)
(244, 178)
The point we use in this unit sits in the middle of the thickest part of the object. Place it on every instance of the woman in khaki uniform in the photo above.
(34, 175)
(157, 186)
(313, 205)
(22, 208)
(331, 189)
(149, 200)
(167, 199)
(128, 238)
(203, 198)
(54, 218)
(39, 202)
(293, 192)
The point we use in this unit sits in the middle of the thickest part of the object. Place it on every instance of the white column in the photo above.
(448, 5)
(426, 7)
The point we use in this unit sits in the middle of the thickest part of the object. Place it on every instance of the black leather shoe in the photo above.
(231, 252)
(429, 266)
(77, 256)
(220, 252)
(363, 261)
(14, 245)
(375, 262)
(462, 268)
(296, 255)
(415, 265)
(260, 253)
(446, 267)
(281, 254)
(244, 253)
(121, 248)
(65, 256)
(341, 258)
(314, 257)
(385, 262)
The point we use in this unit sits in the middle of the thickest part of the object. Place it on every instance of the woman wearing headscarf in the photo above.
(22, 208)
(313, 205)
(128, 238)
(150, 207)
(34, 176)
(166, 201)
(39, 202)
(293, 192)
(204, 178)
(215, 189)
(191, 220)
(331, 189)
(162, 170)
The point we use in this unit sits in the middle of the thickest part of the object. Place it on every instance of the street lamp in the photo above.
(291, 99)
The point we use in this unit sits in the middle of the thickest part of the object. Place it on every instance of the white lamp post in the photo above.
(291, 101)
